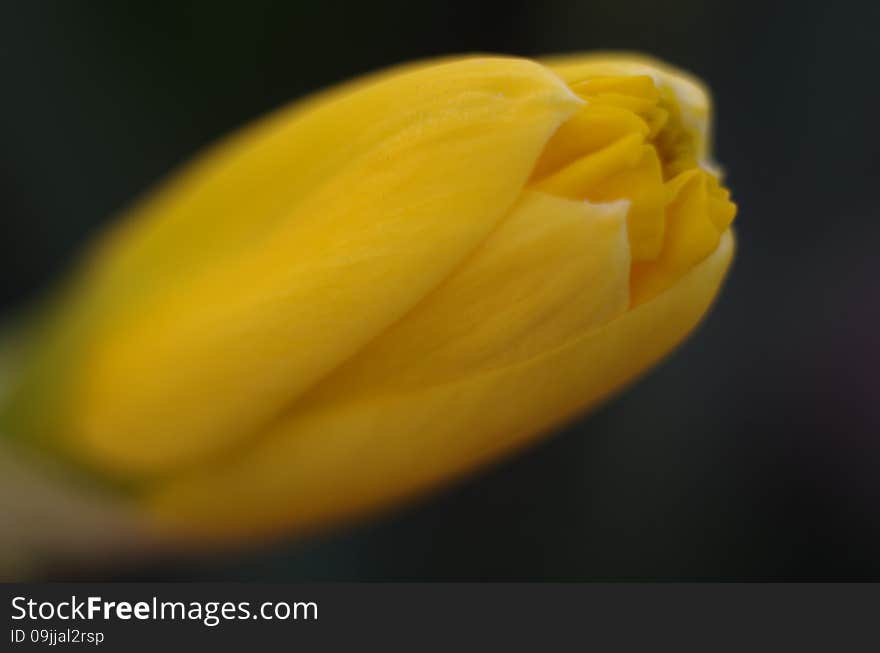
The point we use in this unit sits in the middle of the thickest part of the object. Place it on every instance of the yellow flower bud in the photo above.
(382, 287)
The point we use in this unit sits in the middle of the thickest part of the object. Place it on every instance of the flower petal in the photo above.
(691, 95)
(284, 252)
(553, 269)
(332, 460)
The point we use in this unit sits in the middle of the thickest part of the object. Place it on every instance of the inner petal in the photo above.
(630, 142)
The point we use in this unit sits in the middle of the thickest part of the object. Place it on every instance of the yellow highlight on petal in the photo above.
(380, 288)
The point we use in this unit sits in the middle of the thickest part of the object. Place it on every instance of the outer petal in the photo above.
(553, 269)
(278, 257)
(335, 460)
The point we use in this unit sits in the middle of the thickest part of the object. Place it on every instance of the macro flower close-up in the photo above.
(560, 291)
(379, 289)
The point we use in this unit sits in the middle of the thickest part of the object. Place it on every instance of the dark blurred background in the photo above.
(752, 453)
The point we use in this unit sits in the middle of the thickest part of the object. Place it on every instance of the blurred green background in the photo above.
(752, 453)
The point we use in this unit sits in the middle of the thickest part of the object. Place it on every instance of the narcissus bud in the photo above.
(381, 288)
